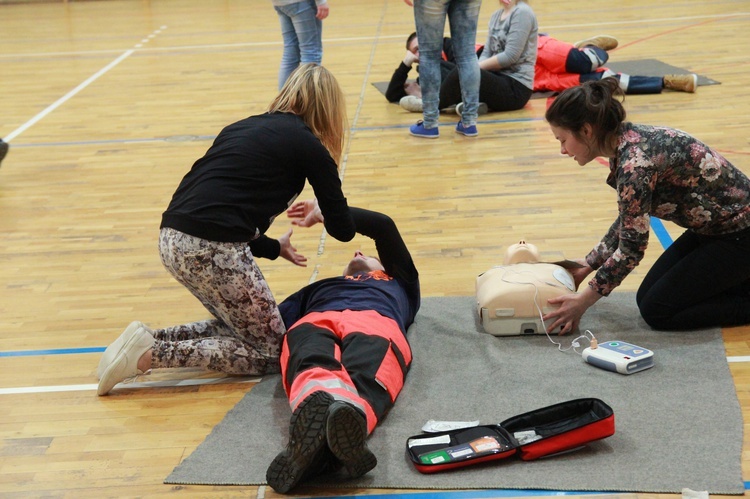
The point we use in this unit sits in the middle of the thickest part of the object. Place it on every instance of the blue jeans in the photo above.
(429, 16)
(578, 61)
(302, 34)
(699, 282)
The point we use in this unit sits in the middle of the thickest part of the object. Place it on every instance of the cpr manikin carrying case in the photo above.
(543, 432)
(511, 298)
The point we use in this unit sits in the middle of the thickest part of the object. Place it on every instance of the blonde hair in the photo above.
(313, 94)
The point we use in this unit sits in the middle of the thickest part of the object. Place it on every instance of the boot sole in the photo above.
(307, 441)
(346, 431)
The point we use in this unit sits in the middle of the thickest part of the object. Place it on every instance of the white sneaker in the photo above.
(113, 349)
(411, 103)
(134, 342)
(482, 109)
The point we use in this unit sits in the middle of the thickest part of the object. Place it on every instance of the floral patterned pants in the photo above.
(244, 337)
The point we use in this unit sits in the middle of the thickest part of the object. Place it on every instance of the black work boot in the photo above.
(306, 453)
(346, 431)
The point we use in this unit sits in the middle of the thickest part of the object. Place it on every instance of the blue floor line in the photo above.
(194, 138)
(661, 232)
(468, 494)
(656, 225)
(446, 123)
(53, 351)
(489, 493)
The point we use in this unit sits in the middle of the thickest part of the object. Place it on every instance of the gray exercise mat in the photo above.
(678, 424)
(654, 67)
(640, 67)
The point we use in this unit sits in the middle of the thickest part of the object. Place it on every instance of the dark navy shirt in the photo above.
(394, 293)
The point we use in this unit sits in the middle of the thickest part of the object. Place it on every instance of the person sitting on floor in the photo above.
(506, 64)
(559, 65)
(345, 355)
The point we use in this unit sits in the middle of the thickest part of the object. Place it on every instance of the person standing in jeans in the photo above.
(302, 31)
(429, 16)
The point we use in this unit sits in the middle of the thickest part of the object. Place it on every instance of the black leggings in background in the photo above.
(699, 282)
(499, 91)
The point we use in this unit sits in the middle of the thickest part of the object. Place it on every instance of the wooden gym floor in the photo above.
(106, 104)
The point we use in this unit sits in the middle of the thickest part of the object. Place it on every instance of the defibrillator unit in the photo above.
(619, 356)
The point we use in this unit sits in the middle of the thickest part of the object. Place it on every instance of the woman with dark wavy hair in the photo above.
(703, 278)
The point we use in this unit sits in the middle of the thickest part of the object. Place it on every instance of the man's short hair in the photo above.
(408, 40)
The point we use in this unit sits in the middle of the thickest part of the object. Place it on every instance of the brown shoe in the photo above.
(604, 42)
(681, 83)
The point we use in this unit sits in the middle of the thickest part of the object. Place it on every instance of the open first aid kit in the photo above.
(511, 298)
(539, 433)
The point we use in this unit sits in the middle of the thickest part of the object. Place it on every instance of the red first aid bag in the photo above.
(543, 432)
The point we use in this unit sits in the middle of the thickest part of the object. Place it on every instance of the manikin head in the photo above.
(362, 263)
(521, 252)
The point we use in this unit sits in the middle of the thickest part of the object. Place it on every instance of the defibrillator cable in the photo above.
(575, 344)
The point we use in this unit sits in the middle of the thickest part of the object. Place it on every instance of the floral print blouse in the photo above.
(668, 174)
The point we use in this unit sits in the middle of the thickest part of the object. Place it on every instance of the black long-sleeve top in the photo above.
(254, 171)
(395, 90)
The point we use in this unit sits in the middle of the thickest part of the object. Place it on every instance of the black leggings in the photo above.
(699, 282)
(499, 91)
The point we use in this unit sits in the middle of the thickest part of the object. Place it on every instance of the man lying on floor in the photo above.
(345, 354)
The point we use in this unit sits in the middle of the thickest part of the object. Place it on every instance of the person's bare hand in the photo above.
(289, 252)
(305, 213)
(322, 12)
(410, 58)
(409, 3)
(580, 273)
(571, 308)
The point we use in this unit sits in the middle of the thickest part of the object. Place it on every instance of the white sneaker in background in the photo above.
(411, 103)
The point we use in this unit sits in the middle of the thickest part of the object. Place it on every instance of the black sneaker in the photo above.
(306, 453)
(3, 149)
(346, 430)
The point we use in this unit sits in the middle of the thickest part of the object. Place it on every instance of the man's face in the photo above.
(414, 46)
(362, 263)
